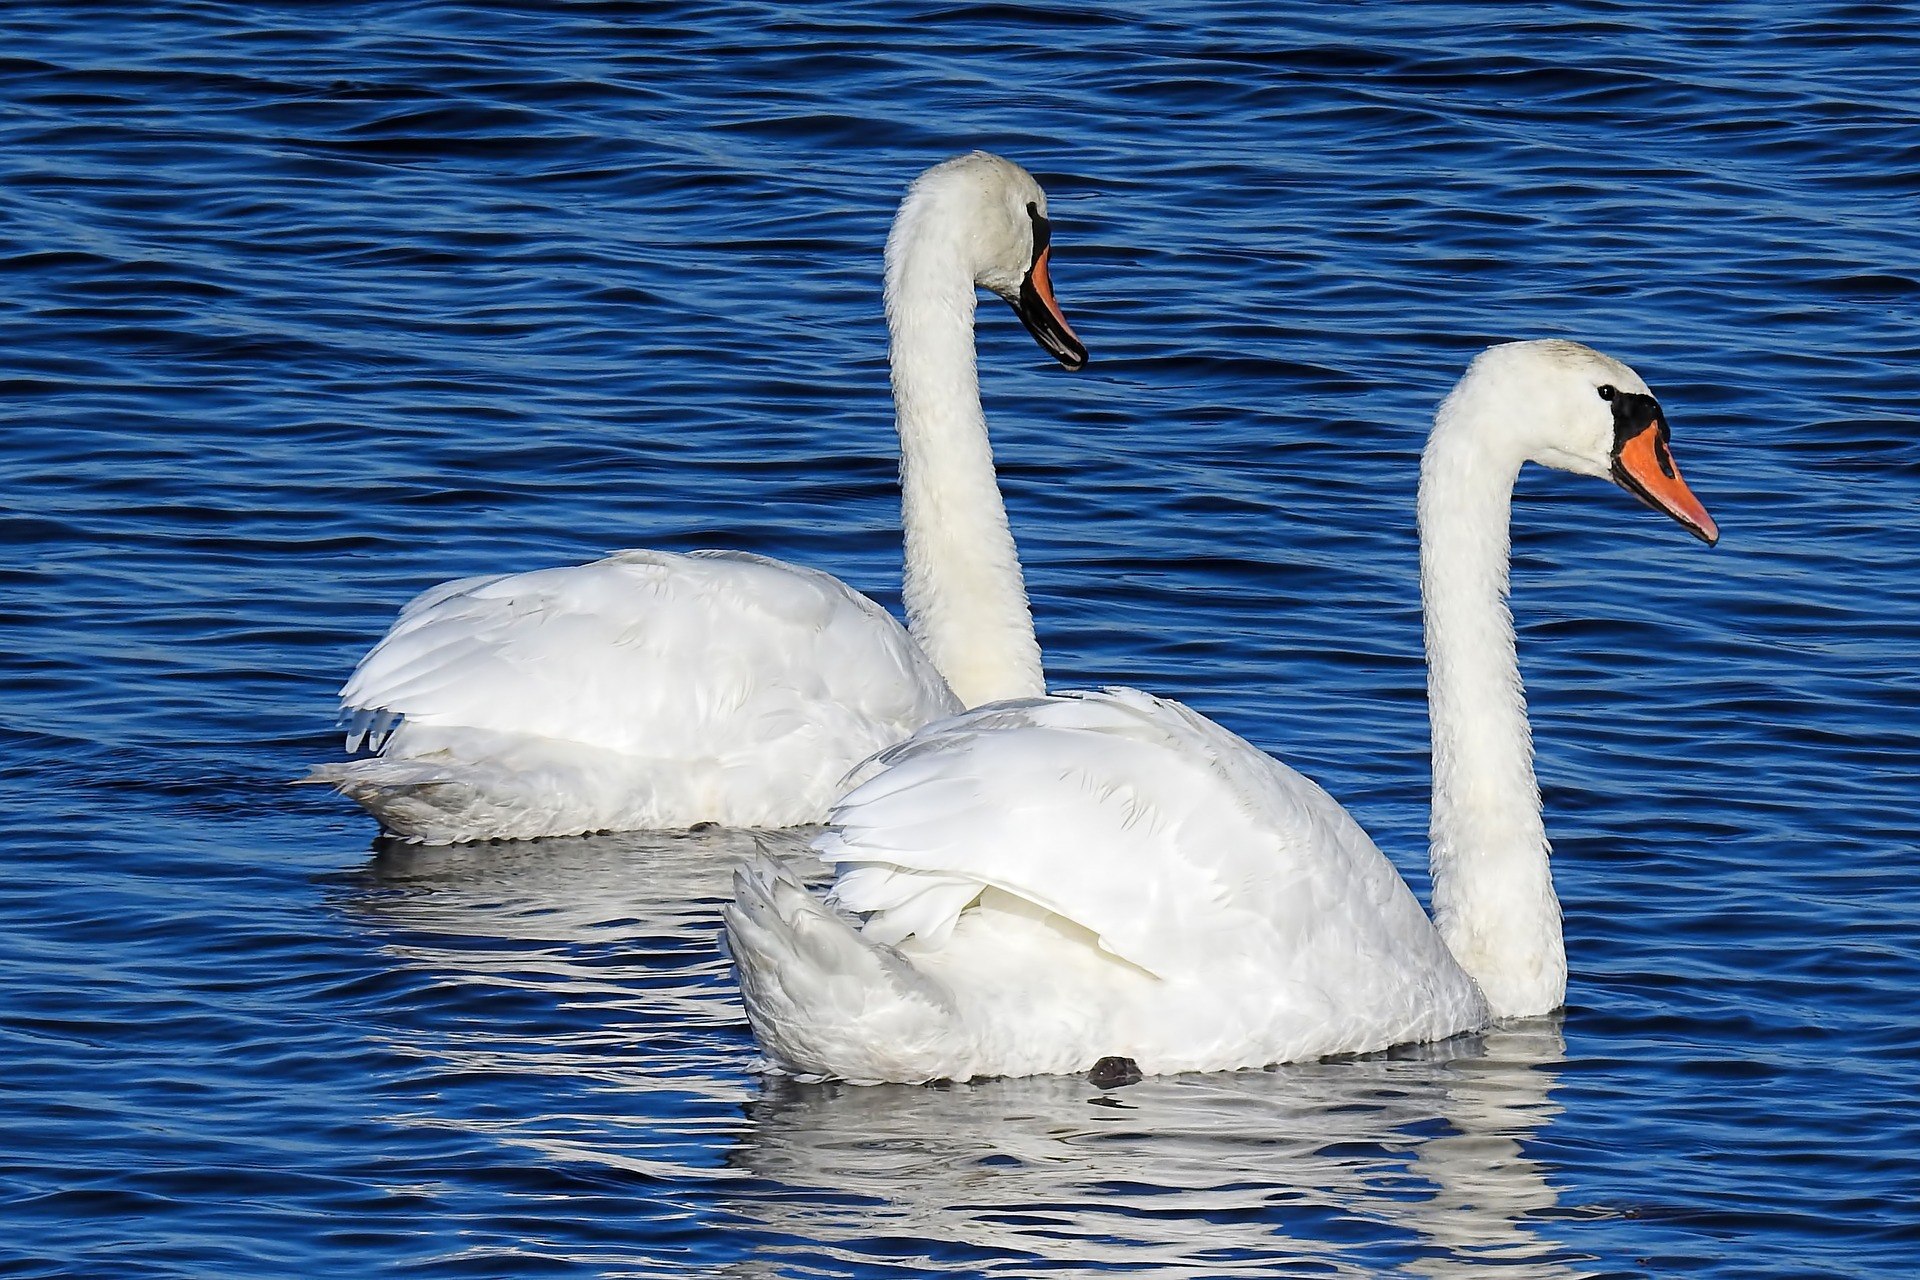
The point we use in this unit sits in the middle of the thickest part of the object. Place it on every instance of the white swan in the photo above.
(1051, 881)
(652, 689)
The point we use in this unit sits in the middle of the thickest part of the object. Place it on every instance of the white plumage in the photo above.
(1050, 882)
(630, 693)
(1034, 885)
(654, 689)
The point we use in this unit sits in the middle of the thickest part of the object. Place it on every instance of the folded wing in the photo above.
(1169, 839)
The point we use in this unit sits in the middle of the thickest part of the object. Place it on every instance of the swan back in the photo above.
(1192, 902)
(648, 689)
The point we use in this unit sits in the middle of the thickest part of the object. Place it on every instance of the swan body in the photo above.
(653, 689)
(540, 701)
(1034, 885)
(1053, 881)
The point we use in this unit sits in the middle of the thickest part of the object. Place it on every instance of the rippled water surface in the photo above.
(308, 307)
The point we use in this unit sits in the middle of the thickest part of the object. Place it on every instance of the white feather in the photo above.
(643, 690)
(1110, 874)
(653, 689)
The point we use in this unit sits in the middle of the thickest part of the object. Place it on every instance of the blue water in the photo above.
(308, 307)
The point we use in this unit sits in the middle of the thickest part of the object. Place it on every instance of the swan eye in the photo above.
(1607, 391)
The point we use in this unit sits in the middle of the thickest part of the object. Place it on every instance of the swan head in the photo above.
(992, 215)
(1578, 410)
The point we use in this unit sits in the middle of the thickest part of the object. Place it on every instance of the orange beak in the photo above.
(1040, 312)
(1643, 466)
(1043, 286)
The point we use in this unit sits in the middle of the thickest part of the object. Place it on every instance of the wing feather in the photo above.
(642, 651)
(1164, 835)
(645, 689)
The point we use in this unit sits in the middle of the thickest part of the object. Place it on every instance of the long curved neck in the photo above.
(1493, 898)
(966, 601)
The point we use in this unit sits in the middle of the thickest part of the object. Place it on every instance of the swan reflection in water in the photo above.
(592, 977)
(1415, 1158)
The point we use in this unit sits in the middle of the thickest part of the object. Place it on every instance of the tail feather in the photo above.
(368, 726)
(498, 790)
(824, 1001)
(427, 800)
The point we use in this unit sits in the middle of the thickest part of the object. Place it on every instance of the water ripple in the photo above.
(308, 309)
